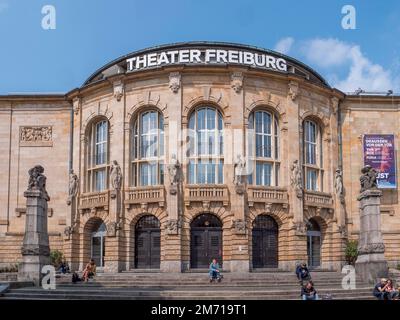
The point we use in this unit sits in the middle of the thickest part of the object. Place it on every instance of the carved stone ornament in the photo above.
(237, 81)
(36, 136)
(112, 228)
(301, 228)
(118, 90)
(174, 81)
(371, 248)
(172, 226)
(68, 231)
(239, 226)
(35, 251)
(368, 178)
(293, 90)
(37, 181)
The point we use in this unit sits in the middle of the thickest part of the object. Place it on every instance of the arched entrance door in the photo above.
(265, 242)
(205, 241)
(313, 243)
(98, 245)
(147, 243)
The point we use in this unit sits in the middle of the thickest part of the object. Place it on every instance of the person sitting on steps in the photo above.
(214, 271)
(302, 273)
(380, 290)
(89, 271)
(308, 292)
(392, 293)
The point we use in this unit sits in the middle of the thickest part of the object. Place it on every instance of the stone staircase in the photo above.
(192, 286)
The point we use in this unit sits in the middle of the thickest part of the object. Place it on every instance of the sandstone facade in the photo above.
(55, 131)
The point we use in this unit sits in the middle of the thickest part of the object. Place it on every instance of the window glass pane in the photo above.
(99, 180)
(211, 119)
(311, 180)
(221, 172)
(192, 172)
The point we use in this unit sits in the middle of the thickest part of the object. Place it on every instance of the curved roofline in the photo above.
(204, 43)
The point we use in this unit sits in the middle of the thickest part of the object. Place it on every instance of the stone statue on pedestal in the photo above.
(35, 249)
(371, 263)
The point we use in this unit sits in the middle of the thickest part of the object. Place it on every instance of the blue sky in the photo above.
(90, 33)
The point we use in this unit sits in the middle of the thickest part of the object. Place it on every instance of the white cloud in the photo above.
(284, 45)
(362, 73)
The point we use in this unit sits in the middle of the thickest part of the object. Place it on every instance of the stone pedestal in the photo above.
(35, 250)
(371, 263)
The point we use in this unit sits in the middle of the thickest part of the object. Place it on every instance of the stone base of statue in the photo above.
(371, 264)
(35, 249)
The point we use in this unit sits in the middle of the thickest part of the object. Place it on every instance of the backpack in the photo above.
(75, 277)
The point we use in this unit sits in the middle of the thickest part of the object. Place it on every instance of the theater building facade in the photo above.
(173, 155)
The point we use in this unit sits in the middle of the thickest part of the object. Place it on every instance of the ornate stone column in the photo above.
(371, 263)
(35, 249)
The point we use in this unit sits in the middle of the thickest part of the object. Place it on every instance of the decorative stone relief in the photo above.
(175, 81)
(237, 81)
(239, 226)
(372, 248)
(112, 228)
(118, 90)
(172, 226)
(301, 228)
(36, 136)
(293, 90)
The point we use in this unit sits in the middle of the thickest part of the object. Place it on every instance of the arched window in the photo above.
(263, 149)
(98, 159)
(206, 146)
(312, 152)
(147, 167)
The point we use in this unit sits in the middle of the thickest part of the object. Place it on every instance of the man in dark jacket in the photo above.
(379, 290)
(308, 292)
(302, 273)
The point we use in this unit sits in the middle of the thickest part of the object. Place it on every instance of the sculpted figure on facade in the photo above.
(240, 170)
(173, 170)
(368, 178)
(73, 186)
(116, 176)
(296, 179)
(339, 184)
(174, 81)
(237, 81)
(293, 90)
